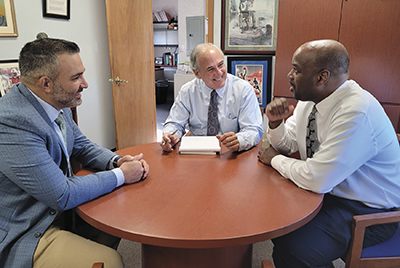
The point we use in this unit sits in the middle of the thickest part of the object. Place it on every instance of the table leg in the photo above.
(232, 257)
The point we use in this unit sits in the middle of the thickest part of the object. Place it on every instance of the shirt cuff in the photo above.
(120, 176)
(276, 162)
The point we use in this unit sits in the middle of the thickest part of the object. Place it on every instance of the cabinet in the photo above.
(367, 28)
(181, 79)
(164, 36)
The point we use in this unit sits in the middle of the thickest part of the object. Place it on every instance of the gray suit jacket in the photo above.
(33, 187)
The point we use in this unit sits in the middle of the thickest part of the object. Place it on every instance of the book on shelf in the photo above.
(161, 16)
(199, 145)
(170, 58)
(158, 17)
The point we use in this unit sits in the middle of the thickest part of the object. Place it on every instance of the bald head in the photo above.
(326, 54)
(198, 51)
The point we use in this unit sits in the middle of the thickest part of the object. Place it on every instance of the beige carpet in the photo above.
(131, 254)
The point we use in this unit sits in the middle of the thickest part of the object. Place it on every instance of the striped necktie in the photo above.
(61, 124)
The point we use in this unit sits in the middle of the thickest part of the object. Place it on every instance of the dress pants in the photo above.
(81, 247)
(326, 237)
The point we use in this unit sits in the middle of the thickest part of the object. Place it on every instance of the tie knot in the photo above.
(60, 120)
(314, 109)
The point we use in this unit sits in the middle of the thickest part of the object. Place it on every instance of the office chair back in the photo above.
(383, 255)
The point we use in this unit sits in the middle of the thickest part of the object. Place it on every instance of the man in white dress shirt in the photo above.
(355, 163)
(239, 117)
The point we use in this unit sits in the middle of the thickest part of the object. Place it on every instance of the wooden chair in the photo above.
(383, 255)
(98, 265)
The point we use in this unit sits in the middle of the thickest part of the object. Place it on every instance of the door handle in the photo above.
(117, 80)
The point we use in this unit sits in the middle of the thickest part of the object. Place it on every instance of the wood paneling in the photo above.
(367, 28)
(298, 22)
(369, 31)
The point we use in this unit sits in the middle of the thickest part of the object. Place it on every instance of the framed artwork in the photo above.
(257, 71)
(8, 23)
(9, 75)
(59, 9)
(249, 26)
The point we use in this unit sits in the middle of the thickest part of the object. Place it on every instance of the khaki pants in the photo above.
(58, 249)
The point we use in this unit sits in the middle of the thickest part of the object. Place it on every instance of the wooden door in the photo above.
(301, 21)
(130, 35)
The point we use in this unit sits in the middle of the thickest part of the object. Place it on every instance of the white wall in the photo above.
(217, 23)
(88, 28)
(187, 8)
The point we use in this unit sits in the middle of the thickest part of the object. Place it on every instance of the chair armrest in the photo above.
(360, 222)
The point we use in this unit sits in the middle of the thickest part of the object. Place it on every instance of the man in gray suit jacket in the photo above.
(37, 187)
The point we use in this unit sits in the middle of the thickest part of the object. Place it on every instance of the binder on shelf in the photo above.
(199, 145)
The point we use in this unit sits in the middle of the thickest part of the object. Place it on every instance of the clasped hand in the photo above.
(135, 168)
(265, 155)
(229, 140)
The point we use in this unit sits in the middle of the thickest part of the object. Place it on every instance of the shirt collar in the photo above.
(51, 112)
(326, 104)
(219, 91)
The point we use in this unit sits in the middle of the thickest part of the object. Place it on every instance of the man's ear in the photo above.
(197, 73)
(46, 84)
(323, 77)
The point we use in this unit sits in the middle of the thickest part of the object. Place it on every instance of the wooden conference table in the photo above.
(201, 210)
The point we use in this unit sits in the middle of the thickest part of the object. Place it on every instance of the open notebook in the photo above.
(199, 145)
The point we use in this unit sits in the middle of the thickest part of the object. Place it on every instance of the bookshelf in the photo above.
(164, 36)
(166, 43)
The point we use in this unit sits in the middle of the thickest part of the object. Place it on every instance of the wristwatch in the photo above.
(115, 162)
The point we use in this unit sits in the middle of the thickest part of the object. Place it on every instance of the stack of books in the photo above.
(170, 58)
(161, 16)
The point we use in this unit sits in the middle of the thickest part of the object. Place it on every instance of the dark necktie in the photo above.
(212, 122)
(311, 135)
(61, 124)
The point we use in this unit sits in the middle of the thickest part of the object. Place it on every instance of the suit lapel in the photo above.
(28, 95)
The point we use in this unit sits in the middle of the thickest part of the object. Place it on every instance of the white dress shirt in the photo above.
(238, 111)
(358, 157)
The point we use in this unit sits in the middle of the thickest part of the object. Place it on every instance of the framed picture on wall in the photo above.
(9, 75)
(257, 71)
(59, 9)
(249, 26)
(8, 23)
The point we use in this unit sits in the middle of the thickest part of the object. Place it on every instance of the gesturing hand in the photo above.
(277, 110)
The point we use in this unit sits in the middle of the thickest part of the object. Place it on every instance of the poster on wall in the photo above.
(257, 71)
(249, 26)
(8, 23)
(9, 75)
